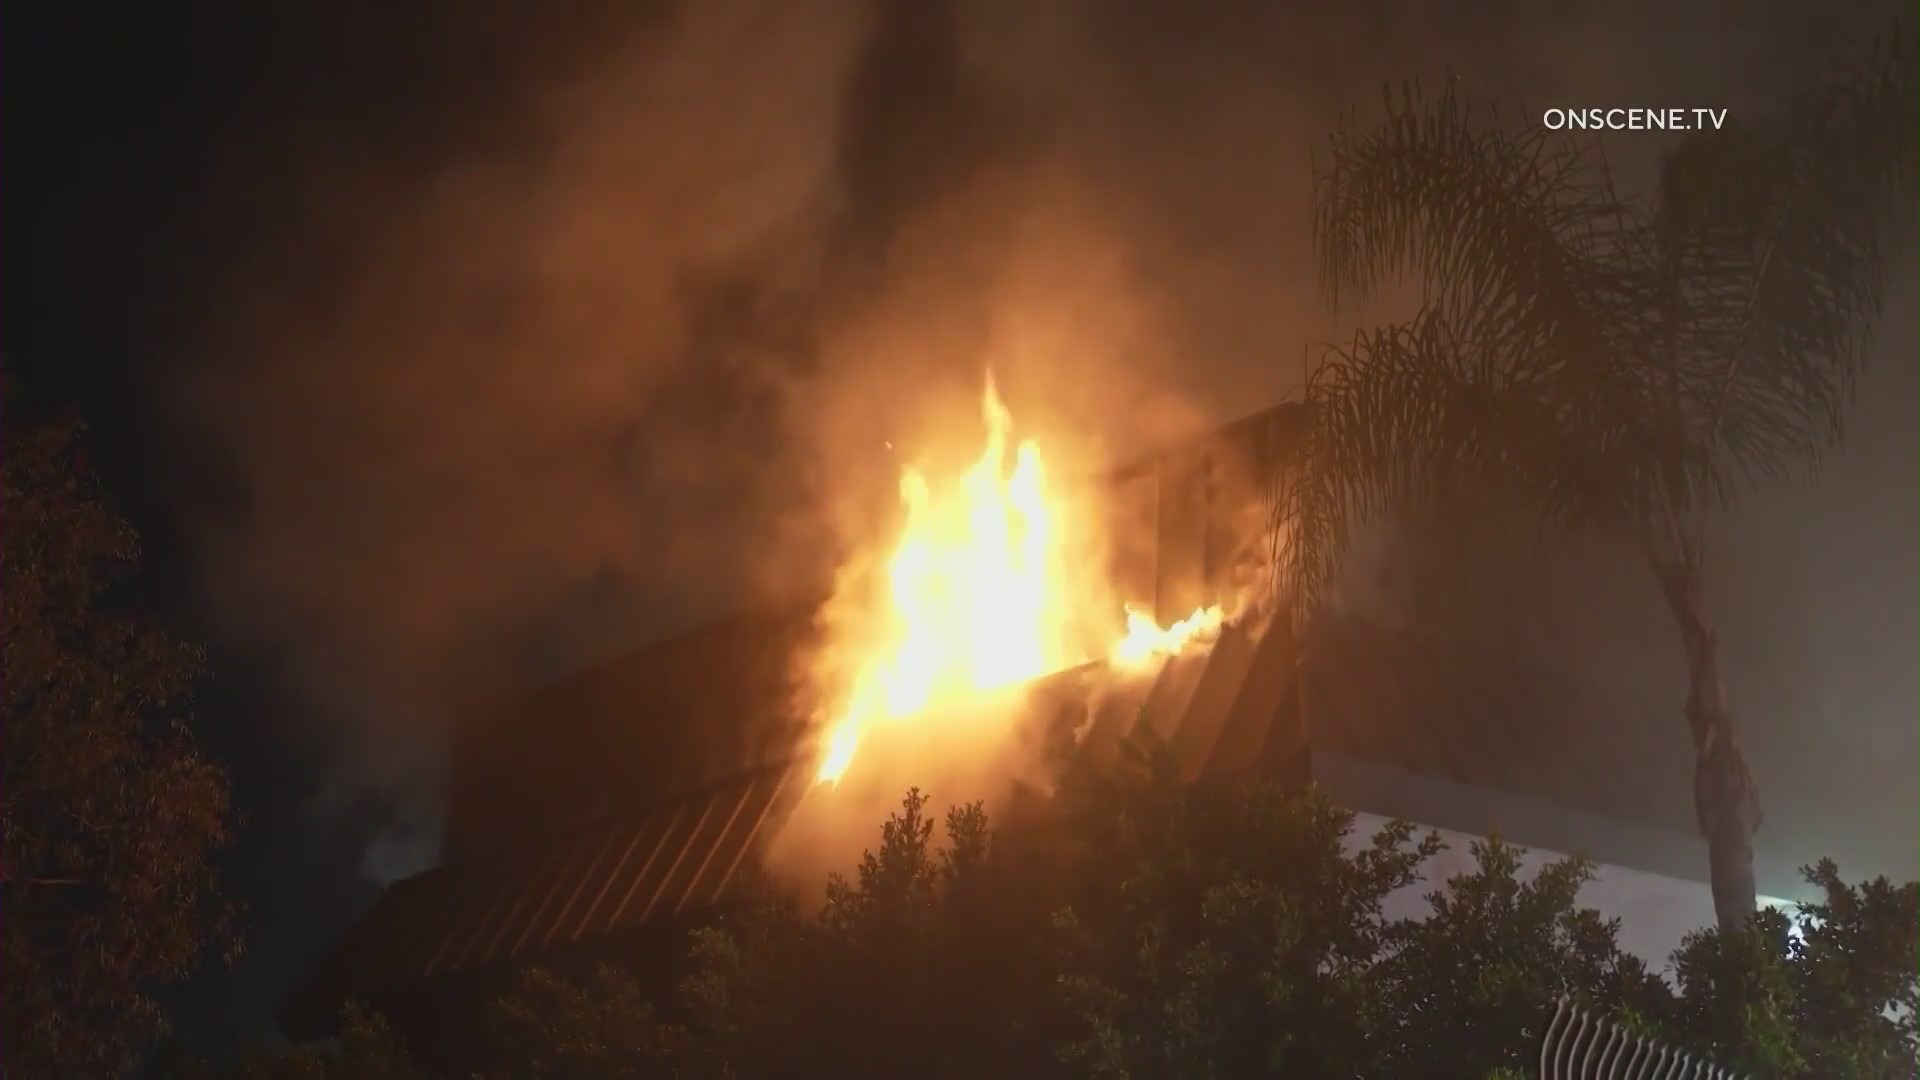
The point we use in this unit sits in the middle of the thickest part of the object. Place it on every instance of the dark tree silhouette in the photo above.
(1613, 364)
(1139, 926)
(111, 816)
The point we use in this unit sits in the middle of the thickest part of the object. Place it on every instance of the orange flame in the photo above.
(1146, 639)
(980, 597)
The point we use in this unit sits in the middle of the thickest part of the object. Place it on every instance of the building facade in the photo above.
(593, 819)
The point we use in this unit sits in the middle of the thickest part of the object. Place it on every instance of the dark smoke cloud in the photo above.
(611, 329)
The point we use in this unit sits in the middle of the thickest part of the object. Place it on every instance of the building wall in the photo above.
(1190, 523)
(1656, 911)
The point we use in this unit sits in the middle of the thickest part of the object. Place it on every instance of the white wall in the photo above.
(1656, 911)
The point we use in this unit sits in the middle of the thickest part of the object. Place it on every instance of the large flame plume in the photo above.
(985, 589)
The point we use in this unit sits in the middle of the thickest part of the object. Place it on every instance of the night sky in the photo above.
(397, 326)
(109, 122)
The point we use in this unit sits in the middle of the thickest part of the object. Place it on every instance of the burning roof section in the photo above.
(638, 794)
(654, 865)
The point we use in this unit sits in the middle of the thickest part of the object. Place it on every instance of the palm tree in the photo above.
(1614, 364)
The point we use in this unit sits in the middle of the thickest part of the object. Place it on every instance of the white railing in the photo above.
(1582, 1046)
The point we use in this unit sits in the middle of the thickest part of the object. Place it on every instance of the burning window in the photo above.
(1182, 575)
(1134, 538)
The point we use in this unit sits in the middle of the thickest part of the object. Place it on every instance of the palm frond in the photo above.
(1607, 363)
(1502, 223)
(1526, 254)
(1780, 242)
(1416, 419)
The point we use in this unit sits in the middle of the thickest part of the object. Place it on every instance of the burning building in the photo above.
(597, 817)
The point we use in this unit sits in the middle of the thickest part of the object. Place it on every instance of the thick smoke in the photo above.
(618, 332)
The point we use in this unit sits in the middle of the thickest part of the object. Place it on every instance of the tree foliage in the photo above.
(1617, 361)
(366, 1049)
(1223, 931)
(1825, 992)
(110, 814)
(601, 1029)
(1614, 362)
(1140, 927)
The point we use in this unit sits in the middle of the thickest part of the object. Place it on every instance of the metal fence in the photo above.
(1582, 1046)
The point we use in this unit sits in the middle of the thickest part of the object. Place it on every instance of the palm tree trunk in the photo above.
(1726, 801)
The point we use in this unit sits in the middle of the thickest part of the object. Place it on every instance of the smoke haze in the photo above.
(543, 338)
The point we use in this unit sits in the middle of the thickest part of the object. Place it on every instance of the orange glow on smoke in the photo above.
(982, 593)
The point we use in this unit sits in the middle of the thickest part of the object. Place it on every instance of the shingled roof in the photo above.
(1398, 725)
(663, 721)
(619, 874)
(679, 857)
(571, 836)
